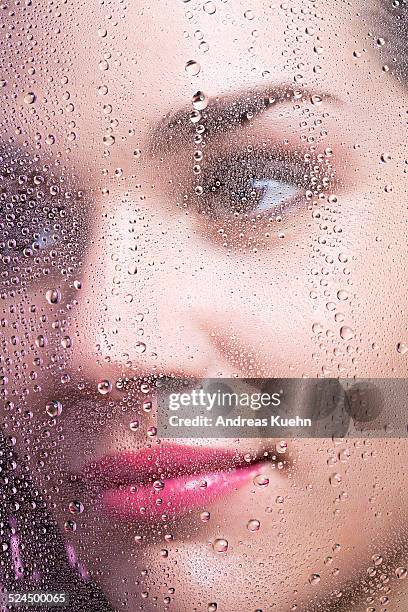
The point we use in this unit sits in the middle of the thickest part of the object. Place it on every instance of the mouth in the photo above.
(171, 480)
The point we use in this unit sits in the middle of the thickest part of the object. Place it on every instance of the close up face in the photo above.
(205, 189)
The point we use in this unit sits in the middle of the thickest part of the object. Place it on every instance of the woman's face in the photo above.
(256, 229)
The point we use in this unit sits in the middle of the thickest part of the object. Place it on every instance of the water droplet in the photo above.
(344, 455)
(249, 15)
(346, 333)
(385, 157)
(317, 328)
(192, 68)
(70, 526)
(253, 525)
(401, 573)
(377, 559)
(212, 607)
(140, 347)
(30, 97)
(53, 296)
(66, 342)
(335, 479)
(342, 295)
(402, 348)
(108, 140)
(158, 485)
(53, 408)
(316, 100)
(200, 101)
(220, 545)
(314, 579)
(261, 481)
(195, 116)
(204, 46)
(76, 507)
(134, 425)
(209, 7)
(205, 516)
(41, 341)
(104, 386)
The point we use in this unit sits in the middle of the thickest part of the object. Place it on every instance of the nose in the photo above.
(144, 306)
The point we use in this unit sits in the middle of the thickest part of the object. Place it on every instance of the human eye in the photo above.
(244, 170)
(41, 216)
(253, 185)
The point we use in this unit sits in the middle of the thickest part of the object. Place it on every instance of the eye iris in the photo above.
(274, 193)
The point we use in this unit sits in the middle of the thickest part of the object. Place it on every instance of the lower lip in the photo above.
(178, 497)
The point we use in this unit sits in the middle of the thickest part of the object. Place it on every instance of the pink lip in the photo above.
(131, 483)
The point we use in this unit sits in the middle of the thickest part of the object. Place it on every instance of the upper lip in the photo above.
(144, 466)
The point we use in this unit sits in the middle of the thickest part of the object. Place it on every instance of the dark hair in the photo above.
(42, 563)
(392, 16)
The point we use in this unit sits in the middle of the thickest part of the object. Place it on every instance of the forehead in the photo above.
(131, 63)
(152, 57)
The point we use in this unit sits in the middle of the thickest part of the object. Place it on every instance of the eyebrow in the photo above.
(224, 114)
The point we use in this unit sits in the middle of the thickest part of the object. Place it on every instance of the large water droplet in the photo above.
(314, 579)
(335, 479)
(402, 348)
(140, 347)
(192, 68)
(76, 507)
(53, 296)
(53, 408)
(220, 545)
(253, 525)
(104, 386)
(209, 7)
(70, 526)
(401, 573)
(346, 332)
(30, 97)
(200, 101)
(261, 481)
